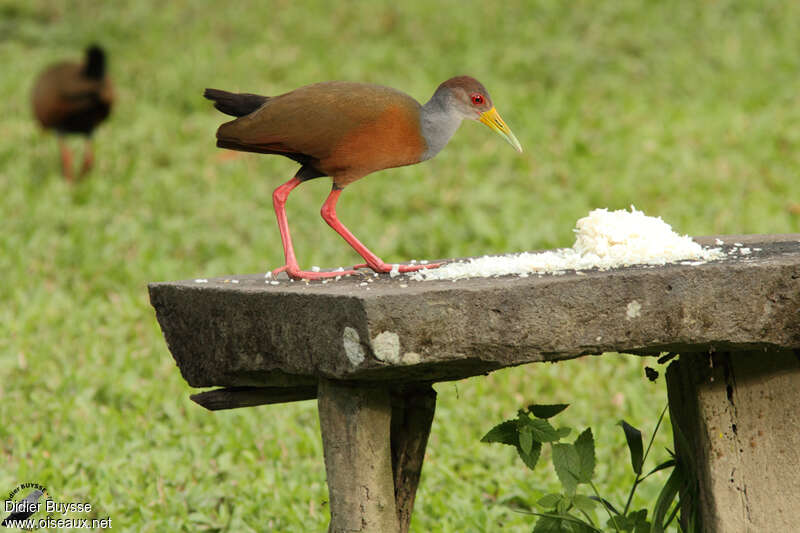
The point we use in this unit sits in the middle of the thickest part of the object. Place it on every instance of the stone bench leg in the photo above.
(736, 419)
(374, 442)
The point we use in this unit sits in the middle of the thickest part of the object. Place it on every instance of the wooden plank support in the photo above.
(412, 415)
(736, 419)
(411, 411)
(235, 397)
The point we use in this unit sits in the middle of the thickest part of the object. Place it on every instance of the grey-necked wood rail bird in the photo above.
(346, 131)
(73, 98)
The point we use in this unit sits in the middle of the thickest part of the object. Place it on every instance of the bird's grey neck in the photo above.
(438, 121)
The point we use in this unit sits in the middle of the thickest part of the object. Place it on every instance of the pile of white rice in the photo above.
(604, 239)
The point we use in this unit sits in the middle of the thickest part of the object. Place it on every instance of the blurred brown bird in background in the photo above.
(347, 131)
(73, 97)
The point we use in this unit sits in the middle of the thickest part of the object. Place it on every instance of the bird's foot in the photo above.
(386, 267)
(294, 272)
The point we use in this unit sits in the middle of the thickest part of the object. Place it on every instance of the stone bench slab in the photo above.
(239, 330)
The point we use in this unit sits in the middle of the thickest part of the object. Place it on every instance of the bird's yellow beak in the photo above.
(492, 119)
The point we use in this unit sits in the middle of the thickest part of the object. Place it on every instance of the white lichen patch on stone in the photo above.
(352, 346)
(634, 310)
(411, 358)
(386, 346)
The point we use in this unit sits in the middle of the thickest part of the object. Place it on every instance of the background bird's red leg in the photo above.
(66, 160)
(372, 260)
(88, 158)
(291, 267)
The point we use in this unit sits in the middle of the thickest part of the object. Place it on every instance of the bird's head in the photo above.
(95, 66)
(469, 98)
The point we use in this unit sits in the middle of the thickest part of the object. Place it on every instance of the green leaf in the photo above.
(553, 523)
(563, 505)
(547, 410)
(563, 432)
(548, 524)
(584, 503)
(542, 430)
(579, 527)
(636, 521)
(584, 445)
(525, 439)
(634, 438)
(564, 523)
(664, 501)
(516, 502)
(504, 433)
(607, 504)
(669, 463)
(530, 459)
(642, 526)
(549, 501)
(567, 464)
(617, 523)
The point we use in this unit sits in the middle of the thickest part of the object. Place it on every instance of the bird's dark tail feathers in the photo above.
(235, 104)
(95, 62)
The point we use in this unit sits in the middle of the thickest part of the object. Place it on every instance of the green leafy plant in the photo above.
(572, 511)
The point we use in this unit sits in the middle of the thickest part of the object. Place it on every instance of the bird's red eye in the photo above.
(477, 99)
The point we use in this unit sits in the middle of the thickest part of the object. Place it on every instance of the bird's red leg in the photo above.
(279, 197)
(372, 260)
(88, 158)
(291, 267)
(66, 161)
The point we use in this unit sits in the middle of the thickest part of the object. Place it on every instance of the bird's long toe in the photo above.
(294, 272)
(386, 267)
(414, 268)
(278, 270)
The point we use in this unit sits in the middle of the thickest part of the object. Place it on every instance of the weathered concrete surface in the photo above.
(356, 424)
(252, 333)
(736, 419)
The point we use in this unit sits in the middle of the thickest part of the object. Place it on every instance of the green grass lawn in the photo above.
(688, 110)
